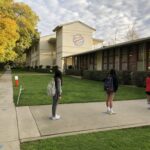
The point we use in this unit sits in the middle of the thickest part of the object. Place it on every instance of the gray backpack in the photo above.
(51, 88)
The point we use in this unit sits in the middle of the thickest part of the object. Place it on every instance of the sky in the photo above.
(111, 18)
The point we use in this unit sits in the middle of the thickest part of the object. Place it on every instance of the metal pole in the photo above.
(20, 90)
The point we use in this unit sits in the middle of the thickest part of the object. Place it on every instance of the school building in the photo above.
(132, 56)
(69, 39)
(72, 44)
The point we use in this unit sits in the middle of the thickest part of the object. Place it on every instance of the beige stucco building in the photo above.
(70, 38)
(43, 53)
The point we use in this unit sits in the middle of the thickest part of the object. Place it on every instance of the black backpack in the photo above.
(108, 84)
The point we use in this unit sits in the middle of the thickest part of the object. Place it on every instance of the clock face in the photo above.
(78, 40)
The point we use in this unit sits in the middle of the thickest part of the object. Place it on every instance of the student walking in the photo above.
(147, 89)
(111, 87)
(58, 91)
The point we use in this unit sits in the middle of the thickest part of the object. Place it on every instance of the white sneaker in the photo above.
(56, 117)
(112, 112)
(108, 111)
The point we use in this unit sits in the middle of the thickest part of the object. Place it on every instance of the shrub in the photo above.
(124, 77)
(2, 66)
(70, 67)
(40, 66)
(87, 74)
(73, 72)
(138, 78)
(102, 75)
(36, 67)
(48, 67)
(95, 75)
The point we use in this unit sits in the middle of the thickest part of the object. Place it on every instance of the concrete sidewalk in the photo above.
(80, 118)
(9, 139)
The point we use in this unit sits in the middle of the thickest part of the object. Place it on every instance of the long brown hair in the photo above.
(113, 73)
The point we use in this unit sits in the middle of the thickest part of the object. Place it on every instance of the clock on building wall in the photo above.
(78, 40)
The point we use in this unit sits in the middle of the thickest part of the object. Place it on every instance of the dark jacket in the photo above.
(115, 83)
(58, 83)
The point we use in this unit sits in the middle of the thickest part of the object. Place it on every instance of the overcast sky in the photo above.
(110, 18)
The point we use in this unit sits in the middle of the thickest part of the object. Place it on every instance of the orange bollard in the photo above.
(16, 81)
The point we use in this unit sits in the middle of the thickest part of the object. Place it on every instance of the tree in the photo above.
(132, 33)
(27, 21)
(17, 29)
(9, 36)
(20, 60)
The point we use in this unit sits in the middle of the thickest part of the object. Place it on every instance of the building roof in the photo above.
(100, 40)
(49, 35)
(112, 46)
(61, 25)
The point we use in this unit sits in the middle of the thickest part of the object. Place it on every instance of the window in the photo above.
(124, 60)
(132, 58)
(140, 54)
(111, 58)
(75, 62)
(105, 56)
(117, 59)
(105, 60)
(148, 56)
(105, 66)
(124, 56)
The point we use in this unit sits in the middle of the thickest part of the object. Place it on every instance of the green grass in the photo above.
(124, 139)
(74, 90)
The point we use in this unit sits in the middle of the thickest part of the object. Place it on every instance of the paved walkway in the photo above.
(81, 118)
(32, 122)
(9, 139)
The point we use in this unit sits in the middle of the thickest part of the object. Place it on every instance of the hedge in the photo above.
(31, 69)
(73, 72)
(95, 75)
(125, 77)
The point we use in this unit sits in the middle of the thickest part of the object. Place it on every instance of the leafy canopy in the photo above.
(17, 29)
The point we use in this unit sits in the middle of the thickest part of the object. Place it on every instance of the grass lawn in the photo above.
(124, 139)
(74, 90)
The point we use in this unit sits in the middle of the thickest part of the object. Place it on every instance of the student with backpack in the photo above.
(111, 87)
(58, 92)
